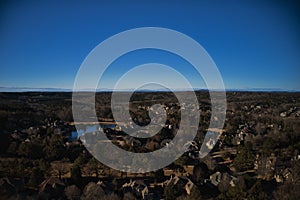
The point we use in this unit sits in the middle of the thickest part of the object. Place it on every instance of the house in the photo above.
(239, 138)
(265, 167)
(286, 174)
(283, 175)
(219, 177)
(188, 187)
(137, 187)
(191, 146)
(18, 135)
(182, 183)
(131, 141)
(283, 114)
(210, 144)
(51, 187)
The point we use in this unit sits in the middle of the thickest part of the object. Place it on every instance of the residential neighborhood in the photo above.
(257, 156)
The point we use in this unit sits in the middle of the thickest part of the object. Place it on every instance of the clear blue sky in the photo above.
(255, 44)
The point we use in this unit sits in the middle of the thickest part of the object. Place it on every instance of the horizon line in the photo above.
(49, 89)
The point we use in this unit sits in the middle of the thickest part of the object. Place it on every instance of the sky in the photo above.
(255, 44)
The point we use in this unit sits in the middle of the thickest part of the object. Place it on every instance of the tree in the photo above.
(195, 194)
(170, 191)
(93, 166)
(72, 192)
(200, 172)
(36, 177)
(73, 152)
(92, 191)
(32, 150)
(76, 174)
(129, 196)
(181, 161)
(245, 158)
(80, 160)
(60, 168)
(287, 191)
(235, 193)
(110, 197)
(65, 114)
(54, 147)
(3, 141)
(44, 165)
(13, 148)
(268, 146)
